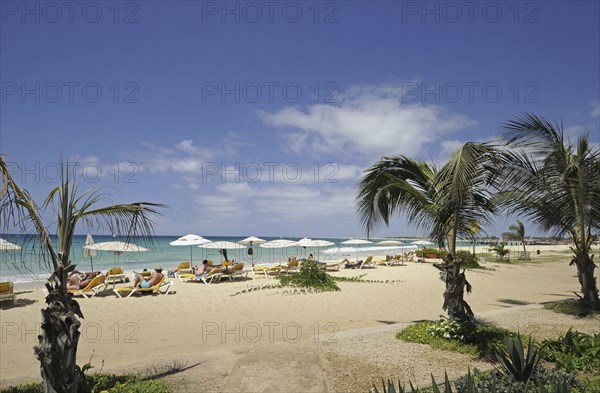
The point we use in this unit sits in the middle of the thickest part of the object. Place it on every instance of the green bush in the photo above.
(310, 276)
(574, 351)
(543, 381)
(435, 251)
(474, 339)
(468, 260)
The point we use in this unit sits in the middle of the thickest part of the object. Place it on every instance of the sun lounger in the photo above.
(237, 272)
(267, 270)
(293, 266)
(158, 288)
(334, 266)
(114, 275)
(214, 275)
(183, 268)
(7, 292)
(96, 285)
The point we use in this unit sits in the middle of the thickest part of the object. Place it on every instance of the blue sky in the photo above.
(259, 117)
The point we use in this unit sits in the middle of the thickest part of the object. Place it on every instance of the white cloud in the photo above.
(595, 108)
(184, 157)
(368, 120)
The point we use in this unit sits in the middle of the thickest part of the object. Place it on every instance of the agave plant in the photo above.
(57, 347)
(515, 362)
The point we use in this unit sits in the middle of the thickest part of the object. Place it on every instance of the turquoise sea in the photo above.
(25, 265)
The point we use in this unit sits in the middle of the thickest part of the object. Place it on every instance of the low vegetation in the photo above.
(312, 277)
(470, 338)
(519, 367)
(569, 307)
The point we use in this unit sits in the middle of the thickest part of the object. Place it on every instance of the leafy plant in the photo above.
(515, 362)
(478, 339)
(467, 260)
(500, 249)
(310, 276)
(574, 351)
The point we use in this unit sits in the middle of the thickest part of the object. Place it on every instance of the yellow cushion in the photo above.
(6, 287)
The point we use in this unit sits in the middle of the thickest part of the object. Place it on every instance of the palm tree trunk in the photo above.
(57, 348)
(585, 274)
(454, 302)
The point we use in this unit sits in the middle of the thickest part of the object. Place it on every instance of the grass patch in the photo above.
(473, 339)
(577, 308)
(102, 382)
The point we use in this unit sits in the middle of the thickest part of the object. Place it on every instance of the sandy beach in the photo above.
(219, 330)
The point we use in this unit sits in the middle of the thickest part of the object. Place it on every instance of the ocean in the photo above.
(25, 265)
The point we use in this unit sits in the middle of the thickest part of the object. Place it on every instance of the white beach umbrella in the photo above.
(190, 240)
(251, 241)
(315, 243)
(116, 247)
(88, 252)
(222, 245)
(280, 243)
(390, 243)
(6, 246)
(356, 242)
(422, 243)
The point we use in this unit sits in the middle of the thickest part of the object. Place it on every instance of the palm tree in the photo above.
(474, 229)
(57, 347)
(444, 202)
(517, 232)
(556, 184)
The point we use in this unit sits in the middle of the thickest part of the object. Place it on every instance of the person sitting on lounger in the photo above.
(148, 282)
(202, 270)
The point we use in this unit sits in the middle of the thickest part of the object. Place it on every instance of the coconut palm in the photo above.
(445, 202)
(57, 347)
(555, 184)
(517, 232)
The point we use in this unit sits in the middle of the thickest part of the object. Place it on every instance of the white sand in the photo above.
(200, 321)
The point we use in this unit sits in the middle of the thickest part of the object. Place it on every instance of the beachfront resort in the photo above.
(299, 196)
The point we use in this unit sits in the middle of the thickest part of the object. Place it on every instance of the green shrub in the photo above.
(310, 276)
(468, 260)
(574, 351)
(474, 339)
(438, 253)
(570, 307)
(543, 381)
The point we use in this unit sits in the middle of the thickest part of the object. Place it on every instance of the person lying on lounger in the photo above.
(202, 270)
(148, 282)
(351, 265)
(78, 280)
